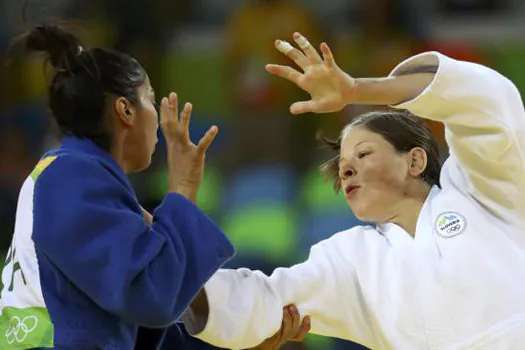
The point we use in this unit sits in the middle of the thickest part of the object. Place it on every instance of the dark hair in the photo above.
(402, 129)
(83, 81)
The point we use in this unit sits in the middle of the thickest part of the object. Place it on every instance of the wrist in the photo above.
(187, 191)
(372, 91)
(357, 94)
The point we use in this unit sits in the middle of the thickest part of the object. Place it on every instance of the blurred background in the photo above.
(262, 182)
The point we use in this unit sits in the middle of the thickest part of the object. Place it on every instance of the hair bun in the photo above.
(62, 48)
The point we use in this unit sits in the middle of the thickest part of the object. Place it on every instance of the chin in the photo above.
(362, 216)
(363, 213)
(141, 166)
(356, 210)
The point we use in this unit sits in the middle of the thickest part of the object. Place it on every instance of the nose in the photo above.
(347, 172)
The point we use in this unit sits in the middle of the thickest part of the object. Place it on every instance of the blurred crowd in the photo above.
(262, 182)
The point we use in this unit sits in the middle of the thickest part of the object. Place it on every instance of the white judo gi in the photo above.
(459, 284)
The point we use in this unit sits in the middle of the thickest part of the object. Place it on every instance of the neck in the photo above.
(117, 152)
(410, 207)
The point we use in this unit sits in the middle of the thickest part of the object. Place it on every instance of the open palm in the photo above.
(185, 158)
(329, 86)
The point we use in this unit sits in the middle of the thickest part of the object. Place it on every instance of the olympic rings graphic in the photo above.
(450, 224)
(19, 329)
(454, 228)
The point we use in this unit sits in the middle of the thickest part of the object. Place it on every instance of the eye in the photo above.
(361, 155)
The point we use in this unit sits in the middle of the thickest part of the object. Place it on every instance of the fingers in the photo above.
(185, 116)
(286, 326)
(207, 139)
(296, 318)
(165, 118)
(163, 109)
(297, 56)
(310, 52)
(292, 328)
(328, 56)
(169, 117)
(173, 103)
(173, 100)
(168, 110)
(284, 72)
(302, 107)
(304, 329)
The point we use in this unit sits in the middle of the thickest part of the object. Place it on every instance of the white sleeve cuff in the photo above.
(428, 104)
(201, 326)
(194, 323)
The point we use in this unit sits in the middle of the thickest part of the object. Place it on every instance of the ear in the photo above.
(125, 111)
(417, 161)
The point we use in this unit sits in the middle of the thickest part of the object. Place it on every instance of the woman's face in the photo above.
(374, 176)
(142, 136)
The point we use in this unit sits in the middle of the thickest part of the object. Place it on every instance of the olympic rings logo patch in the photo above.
(450, 224)
(19, 329)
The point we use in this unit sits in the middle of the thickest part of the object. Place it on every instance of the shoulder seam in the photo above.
(41, 166)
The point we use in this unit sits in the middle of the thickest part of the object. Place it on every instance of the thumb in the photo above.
(302, 107)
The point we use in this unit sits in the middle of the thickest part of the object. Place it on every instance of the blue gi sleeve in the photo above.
(89, 224)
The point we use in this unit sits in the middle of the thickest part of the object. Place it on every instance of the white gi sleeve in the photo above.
(484, 127)
(246, 306)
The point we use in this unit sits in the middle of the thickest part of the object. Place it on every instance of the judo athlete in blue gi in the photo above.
(86, 270)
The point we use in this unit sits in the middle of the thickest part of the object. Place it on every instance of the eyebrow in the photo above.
(357, 144)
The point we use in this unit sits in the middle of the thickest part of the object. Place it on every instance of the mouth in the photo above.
(351, 190)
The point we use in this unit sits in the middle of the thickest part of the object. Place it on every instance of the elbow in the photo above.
(160, 309)
(152, 307)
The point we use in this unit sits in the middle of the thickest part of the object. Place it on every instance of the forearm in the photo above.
(391, 90)
(200, 310)
(244, 310)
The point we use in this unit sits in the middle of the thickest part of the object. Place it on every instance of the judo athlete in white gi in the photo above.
(445, 267)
